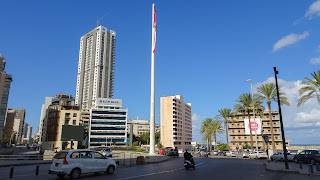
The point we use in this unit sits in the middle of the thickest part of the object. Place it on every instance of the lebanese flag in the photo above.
(154, 29)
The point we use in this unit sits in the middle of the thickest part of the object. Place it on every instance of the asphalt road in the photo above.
(217, 168)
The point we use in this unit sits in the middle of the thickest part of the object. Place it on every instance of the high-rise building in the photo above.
(8, 133)
(5, 81)
(96, 67)
(20, 116)
(108, 123)
(47, 102)
(175, 122)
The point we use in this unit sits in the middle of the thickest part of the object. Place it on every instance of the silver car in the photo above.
(280, 156)
(258, 155)
(107, 152)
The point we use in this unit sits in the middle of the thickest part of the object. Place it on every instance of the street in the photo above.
(222, 168)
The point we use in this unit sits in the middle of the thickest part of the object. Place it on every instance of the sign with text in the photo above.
(72, 133)
(109, 102)
(255, 126)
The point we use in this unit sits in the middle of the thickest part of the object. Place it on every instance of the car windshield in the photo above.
(60, 155)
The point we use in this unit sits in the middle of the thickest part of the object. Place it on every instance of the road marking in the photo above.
(150, 174)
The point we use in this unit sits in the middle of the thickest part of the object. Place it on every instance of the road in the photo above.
(217, 168)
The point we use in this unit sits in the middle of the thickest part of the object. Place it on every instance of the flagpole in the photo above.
(152, 107)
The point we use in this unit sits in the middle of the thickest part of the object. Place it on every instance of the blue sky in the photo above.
(206, 50)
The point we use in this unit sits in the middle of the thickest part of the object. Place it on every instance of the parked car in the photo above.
(311, 156)
(203, 153)
(244, 153)
(222, 152)
(76, 162)
(280, 156)
(215, 153)
(231, 153)
(166, 151)
(258, 155)
(107, 152)
(173, 152)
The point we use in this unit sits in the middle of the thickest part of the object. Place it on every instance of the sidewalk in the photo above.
(148, 159)
(293, 168)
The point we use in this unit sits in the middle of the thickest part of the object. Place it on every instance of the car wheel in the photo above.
(296, 160)
(110, 170)
(271, 159)
(61, 175)
(187, 168)
(75, 173)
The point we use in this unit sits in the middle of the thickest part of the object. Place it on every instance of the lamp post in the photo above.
(254, 116)
(281, 123)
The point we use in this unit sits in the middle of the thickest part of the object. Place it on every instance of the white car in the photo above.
(232, 153)
(280, 157)
(107, 152)
(78, 161)
(258, 155)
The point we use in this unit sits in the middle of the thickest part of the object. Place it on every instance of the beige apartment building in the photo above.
(62, 111)
(175, 122)
(239, 133)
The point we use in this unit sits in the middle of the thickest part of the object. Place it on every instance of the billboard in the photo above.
(109, 102)
(255, 126)
(74, 133)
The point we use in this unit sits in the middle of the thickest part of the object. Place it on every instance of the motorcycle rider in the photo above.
(188, 156)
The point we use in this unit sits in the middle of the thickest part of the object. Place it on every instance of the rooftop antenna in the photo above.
(98, 21)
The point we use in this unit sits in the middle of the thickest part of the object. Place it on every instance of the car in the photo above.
(107, 152)
(80, 161)
(215, 153)
(279, 156)
(203, 153)
(258, 155)
(166, 150)
(173, 152)
(223, 152)
(311, 156)
(244, 153)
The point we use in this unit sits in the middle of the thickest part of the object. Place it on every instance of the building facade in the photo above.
(62, 111)
(239, 132)
(175, 122)
(140, 127)
(96, 67)
(5, 82)
(108, 124)
(48, 101)
(9, 133)
(20, 121)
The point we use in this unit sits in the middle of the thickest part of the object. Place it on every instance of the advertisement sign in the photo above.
(109, 102)
(255, 126)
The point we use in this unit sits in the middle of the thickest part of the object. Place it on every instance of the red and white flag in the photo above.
(154, 29)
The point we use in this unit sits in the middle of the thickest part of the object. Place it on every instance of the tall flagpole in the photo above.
(152, 107)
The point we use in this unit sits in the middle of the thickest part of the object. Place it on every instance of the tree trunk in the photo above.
(226, 125)
(251, 140)
(271, 128)
(207, 143)
(215, 141)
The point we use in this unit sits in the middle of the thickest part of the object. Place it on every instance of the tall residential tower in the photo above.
(96, 67)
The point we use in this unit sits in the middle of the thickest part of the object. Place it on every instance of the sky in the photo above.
(206, 50)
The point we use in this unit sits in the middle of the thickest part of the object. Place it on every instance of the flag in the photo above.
(154, 29)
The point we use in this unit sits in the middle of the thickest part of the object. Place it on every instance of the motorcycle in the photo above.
(188, 164)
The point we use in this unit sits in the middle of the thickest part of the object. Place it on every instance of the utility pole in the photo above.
(131, 134)
(281, 123)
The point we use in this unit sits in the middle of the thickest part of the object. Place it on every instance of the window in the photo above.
(74, 122)
(66, 122)
(74, 114)
(75, 155)
(86, 155)
(98, 156)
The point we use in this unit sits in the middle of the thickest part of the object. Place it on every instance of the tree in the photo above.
(246, 146)
(225, 113)
(223, 146)
(311, 88)
(206, 129)
(216, 129)
(268, 93)
(246, 106)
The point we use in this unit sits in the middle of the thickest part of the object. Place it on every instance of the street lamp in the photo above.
(254, 116)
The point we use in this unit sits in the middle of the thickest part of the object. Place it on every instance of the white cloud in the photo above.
(298, 121)
(315, 60)
(314, 10)
(289, 40)
(196, 124)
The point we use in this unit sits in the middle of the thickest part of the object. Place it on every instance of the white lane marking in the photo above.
(150, 174)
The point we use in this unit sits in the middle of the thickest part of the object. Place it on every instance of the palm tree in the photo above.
(206, 129)
(246, 106)
(225, 113)
(311, 88)
(216, 129)
(268, 93)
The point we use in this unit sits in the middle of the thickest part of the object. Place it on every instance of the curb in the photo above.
(158, 161)
(280, 170)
